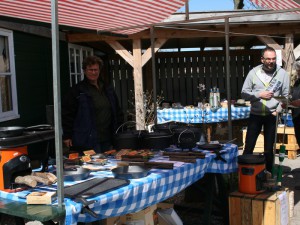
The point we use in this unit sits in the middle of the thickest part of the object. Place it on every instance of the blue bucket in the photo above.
(288, 120)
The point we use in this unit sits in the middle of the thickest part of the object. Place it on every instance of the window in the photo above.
(8, 92)
(76, 55)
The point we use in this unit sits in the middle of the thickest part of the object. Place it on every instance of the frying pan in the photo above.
(15, 131)
(11, 131)
(215, 148)
(130, 172)
(76, 173)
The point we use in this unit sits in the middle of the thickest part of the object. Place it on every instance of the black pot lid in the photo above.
(209, 146)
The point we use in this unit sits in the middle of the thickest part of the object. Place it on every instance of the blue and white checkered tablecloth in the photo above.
(197, 115)
(141, 193)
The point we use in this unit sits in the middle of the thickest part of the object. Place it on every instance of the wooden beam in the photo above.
(138, 85)
(272, 43)
(157, 45)
(121, 51)
(203, 31)
(31, 29)
(288, 49)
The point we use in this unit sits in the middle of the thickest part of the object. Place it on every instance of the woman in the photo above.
(90, 111)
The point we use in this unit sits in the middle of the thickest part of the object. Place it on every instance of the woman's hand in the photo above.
(295, 103)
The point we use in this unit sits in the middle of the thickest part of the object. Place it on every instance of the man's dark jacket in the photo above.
(78, 115)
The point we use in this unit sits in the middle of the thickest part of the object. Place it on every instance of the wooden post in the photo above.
(138, 84)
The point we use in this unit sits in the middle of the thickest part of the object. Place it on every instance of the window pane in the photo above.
(78, 61)
(5, 85)
(72, 60)
(4, 55)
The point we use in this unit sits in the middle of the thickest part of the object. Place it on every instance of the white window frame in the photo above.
(77, 75)
(12, 114)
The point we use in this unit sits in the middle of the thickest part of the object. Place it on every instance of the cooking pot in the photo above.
(14, 131)
(186, 137)
(76, 173)
(156, 140)
(129, 139)
(130, 172)
(166, 127)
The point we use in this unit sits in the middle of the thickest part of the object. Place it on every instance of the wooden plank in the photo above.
(201, 78)
(233, 85)
(124, 86)
(235, 211)
(189, 82)
(269, 212)
(121, 51)
(148, 53)
(206, 71)
(176, 79)
(182, 86)
(292, 154)
(162, 77)
(138, 85)
(257, 212)
(272, 43)
(246, 208)
(221, 76)
(288, 130)
(195, 81)
(169, 79)
(239, 69)
(214, 74)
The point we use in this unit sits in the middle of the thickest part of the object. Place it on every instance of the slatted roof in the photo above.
(94, 14)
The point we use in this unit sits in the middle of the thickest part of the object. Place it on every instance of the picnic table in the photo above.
(158, 186)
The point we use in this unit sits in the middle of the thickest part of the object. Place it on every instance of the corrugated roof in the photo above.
(94, 14)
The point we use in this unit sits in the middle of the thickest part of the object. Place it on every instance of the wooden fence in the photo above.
(179, 73)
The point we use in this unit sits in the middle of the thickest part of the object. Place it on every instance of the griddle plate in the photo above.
(94, 187)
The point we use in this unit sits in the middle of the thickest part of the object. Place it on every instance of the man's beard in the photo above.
(268, 70)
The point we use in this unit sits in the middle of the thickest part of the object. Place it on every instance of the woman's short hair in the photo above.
(296, 65)
(92, 60)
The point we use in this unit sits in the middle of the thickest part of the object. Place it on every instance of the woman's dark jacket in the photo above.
(78, 115)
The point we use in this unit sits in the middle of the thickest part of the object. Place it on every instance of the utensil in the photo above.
(130, 172)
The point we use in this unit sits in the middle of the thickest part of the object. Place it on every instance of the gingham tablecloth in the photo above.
(197, 115)
(141, 193)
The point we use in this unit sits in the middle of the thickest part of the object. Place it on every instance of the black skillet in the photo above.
(215, 148)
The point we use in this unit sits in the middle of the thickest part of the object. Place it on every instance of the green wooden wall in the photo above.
(33, 60)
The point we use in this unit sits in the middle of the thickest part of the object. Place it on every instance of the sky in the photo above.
(209, 5)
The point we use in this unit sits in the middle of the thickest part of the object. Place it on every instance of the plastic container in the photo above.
(252, 174)
(289, 120)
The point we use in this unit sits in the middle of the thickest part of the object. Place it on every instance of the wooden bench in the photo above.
(21, 211)
(290, 141)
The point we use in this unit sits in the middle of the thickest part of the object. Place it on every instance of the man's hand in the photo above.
(266, 95)
(68, 142)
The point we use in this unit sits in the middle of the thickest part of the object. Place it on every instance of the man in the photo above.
(261, 85)
(90, 111)
(295, 92)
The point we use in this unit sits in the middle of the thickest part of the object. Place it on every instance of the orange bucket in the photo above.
(251, 173)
